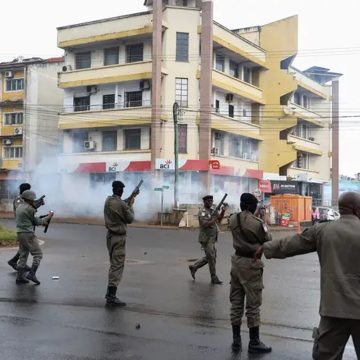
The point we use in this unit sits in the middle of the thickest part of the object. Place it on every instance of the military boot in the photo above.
(31, 275)
(236, 345)
(255, 345)
(192, 269)
(13, 261)
(21, 279)
(111, 298)
(215, 280)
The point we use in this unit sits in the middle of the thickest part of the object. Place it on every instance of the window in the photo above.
(82, 103)
(182, 136)
(13, 118)
(101, 178)
(302, 130)
(182, 47)
(247, 74)
(231, 111)
(220, 63)
(78, 141)
(134, 52)
(306, 102)
(234, 69)
(244, 113)
(218, 144)
(109, 101)
(235, 146)
(109, 140)
(217, 106)
(133, 98)
(111, 56)
(132, 139)
(181, 91)
(297, 98)
(13, 152)
(83, 60)
(303, 160)
(14, 84)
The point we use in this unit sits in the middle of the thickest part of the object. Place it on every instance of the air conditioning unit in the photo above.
(7, 142)
(91, 89)
(66, 68)
(144, 85)
(90, 145)
(9, 74)
(229, 97)
(18, 131)
(218, 136)
(215, 151)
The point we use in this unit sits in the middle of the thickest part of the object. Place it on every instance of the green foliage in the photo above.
(7, 237)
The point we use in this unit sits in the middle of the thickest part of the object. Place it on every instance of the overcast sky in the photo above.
(328, 36)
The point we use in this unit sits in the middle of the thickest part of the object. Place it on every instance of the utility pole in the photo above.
(176, 154)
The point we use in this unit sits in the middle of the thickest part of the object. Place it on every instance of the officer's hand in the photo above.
(225, 206)
(258, 253)
(50, 214)
(131, 201)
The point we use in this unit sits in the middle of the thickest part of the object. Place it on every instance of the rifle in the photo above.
(135, 192)
(219, 205)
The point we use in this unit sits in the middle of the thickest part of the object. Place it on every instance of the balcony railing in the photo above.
(107, 106)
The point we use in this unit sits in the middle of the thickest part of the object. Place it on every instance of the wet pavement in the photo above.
(179, 318)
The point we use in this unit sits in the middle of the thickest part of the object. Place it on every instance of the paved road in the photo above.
(179, 318)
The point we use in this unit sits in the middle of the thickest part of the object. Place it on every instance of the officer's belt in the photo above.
(248, 254)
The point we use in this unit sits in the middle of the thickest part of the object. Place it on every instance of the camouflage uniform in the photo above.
(28, 242)
(248, 233)
(117, 214)
(207, 238)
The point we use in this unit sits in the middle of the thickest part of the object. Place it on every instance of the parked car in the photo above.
(324, 213)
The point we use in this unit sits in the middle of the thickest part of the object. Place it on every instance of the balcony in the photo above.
(238, 45)
(304, 145)
(11, 130)
(230, 125)
(304, 113)
(97, 118)
(310, 85)
(238, 87)
(94, 32)
(109, 74)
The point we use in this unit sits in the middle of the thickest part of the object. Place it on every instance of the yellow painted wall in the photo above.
(279, 39)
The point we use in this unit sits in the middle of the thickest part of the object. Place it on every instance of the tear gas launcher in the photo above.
(219, 205)
(135, 192)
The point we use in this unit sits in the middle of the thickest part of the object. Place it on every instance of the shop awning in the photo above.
(139, 166)
(99, 167)
(254, 174)
(197, 165)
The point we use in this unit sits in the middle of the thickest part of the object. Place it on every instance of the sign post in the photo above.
(161, 189)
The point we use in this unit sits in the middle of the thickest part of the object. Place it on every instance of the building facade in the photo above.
(241, 106)
(29, 104)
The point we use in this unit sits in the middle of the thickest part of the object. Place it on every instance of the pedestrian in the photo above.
(337, 244)
(17, 201)
(249, 233)
(208, 235)
(118, 214)
(28, 242)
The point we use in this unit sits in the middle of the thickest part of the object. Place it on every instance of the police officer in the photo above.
(248, 232)
(337, 244)
(17, 201)
(207, 238)
(117, 213)
(28, 242)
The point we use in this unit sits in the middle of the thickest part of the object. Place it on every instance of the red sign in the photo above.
(214, 164)
(265, 186)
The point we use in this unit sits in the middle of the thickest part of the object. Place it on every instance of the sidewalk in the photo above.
(138, 224)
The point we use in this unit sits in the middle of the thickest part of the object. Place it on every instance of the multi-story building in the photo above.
(29, 103)
(241, 105)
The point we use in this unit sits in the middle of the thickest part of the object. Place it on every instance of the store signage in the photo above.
(265, 186)
(112, 166)
(284, 187)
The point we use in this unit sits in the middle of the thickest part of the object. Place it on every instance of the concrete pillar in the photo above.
(206, 83)
(335, 144)
(156, 142)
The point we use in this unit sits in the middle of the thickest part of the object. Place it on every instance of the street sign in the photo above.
(166, 187)
(158, 189)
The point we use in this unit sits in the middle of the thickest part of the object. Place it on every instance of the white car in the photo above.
(325, 213)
